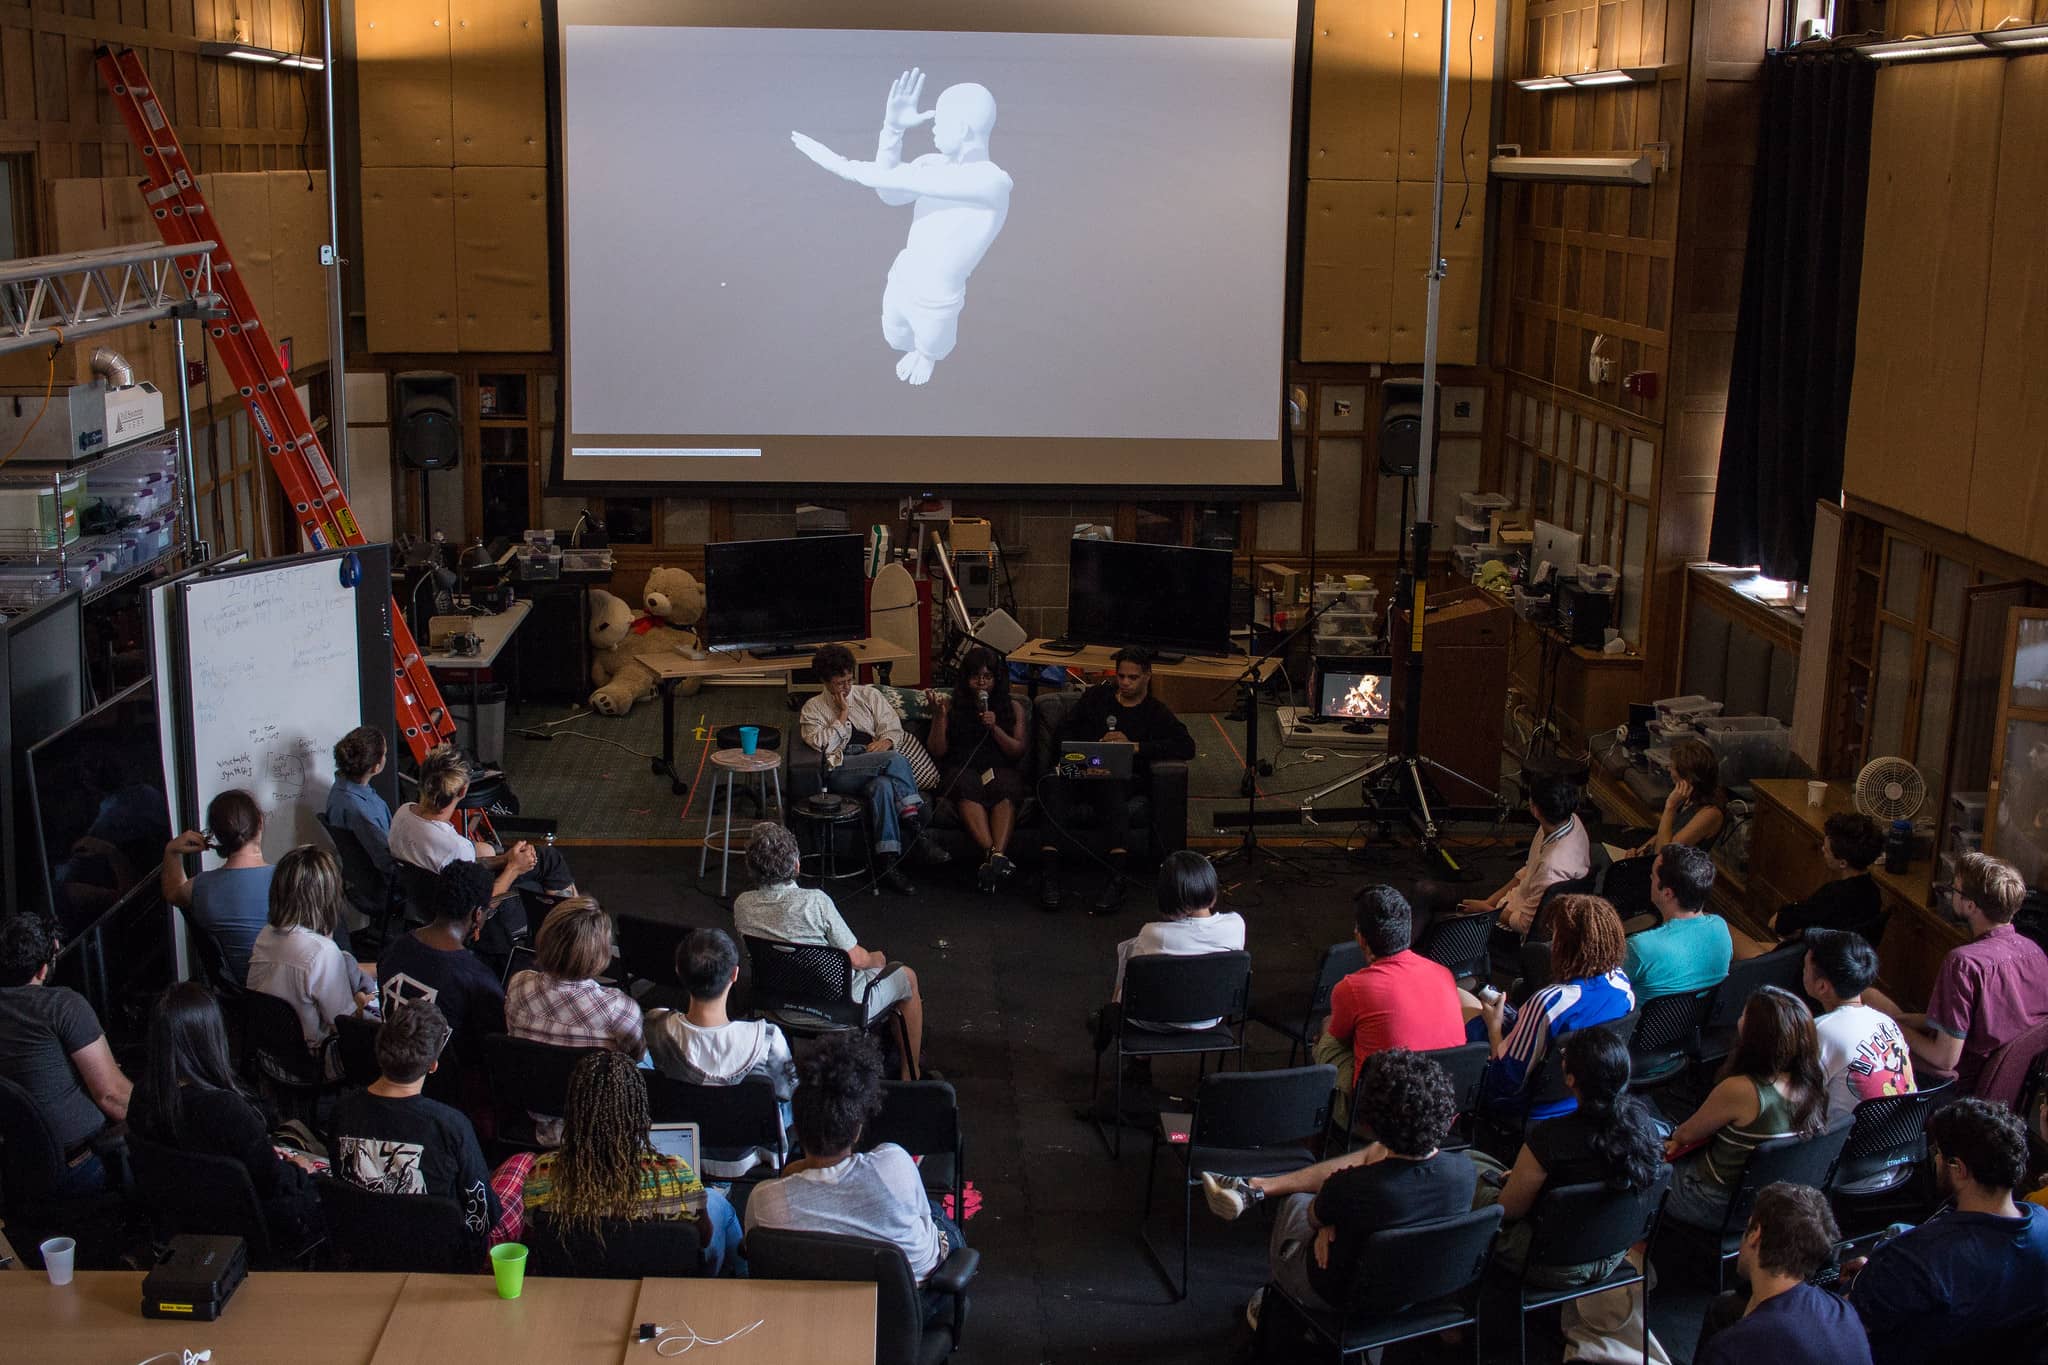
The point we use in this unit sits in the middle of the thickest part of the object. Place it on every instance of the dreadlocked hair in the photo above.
(604, 1142)
(1587, 939)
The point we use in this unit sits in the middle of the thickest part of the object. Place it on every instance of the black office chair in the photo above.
(1808, 1160)
(1161, 989)
(195, 1192)
(32, 1168)
(528, 1078)
(807, 990)
(923, 1118)
(411, 1233)
(1886, 1145)
(1296, 1012)
(1459, 942)
(901, 1335)
(1244, 1123)
(1409, 1282)
(739, 1127)
(1667, 1035)
(622, 1249)
(1577, 1225)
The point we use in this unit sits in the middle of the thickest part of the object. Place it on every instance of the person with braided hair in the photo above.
(608, 1168)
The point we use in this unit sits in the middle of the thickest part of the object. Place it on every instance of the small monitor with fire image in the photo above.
(1358, 690)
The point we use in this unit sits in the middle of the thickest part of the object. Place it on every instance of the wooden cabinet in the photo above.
(1785, 865)
(1465, 672)
(1580, 691)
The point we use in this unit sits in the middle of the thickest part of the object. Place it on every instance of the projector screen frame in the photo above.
(996, 16)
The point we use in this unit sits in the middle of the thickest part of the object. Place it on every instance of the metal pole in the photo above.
(185, 442)
(337, 377)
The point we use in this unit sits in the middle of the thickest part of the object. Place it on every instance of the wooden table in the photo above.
(1219, 672)
(493, 633)
(673, 668)
(335, 1319)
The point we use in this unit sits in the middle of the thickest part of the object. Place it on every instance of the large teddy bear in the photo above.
(674, 600)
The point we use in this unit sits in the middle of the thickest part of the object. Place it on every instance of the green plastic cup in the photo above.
(508, 1267)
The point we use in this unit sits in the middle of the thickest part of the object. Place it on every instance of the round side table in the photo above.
(822, 817)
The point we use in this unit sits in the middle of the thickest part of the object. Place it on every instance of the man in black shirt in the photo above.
(392, 1139)
(1119, 712)
(51, 1045)
(1328, 1210)
(435, 965)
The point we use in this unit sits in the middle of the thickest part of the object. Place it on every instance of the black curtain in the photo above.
(1795, 338)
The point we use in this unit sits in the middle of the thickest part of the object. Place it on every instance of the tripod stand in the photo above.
(1248, 847)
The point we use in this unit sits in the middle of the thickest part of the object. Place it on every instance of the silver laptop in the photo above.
(676, 1139)
(1093, 762)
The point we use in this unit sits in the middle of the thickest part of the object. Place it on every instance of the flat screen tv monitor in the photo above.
(1167, 598)
(1554, 545)
(97, 789)
(1356, 689)
(784, 594)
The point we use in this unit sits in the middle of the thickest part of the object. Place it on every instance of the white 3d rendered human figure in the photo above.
(961, 200)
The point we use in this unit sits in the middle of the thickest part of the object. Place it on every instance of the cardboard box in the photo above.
(970, 535)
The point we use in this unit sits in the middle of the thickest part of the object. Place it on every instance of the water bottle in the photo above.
(1898, 846)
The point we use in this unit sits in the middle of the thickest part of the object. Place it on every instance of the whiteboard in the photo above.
(170, 683)
(273, 677)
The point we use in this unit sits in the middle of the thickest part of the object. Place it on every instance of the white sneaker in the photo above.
(1253, 1305)
(1229, 1195)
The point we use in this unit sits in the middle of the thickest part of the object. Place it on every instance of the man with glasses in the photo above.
(857, 729)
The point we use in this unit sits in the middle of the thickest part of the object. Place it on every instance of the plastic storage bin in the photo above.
(1481, 506)
(155, 534)
(133, 495)
(1340, 621)
(29, 582)
(45, 513)
(1749, 747)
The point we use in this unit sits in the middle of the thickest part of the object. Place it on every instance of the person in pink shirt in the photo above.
(1398, 999)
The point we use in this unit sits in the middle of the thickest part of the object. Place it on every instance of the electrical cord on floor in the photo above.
(530, 732)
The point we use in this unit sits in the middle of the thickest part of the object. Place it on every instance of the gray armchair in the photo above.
(1159, 809)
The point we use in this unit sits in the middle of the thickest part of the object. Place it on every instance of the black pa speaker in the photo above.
(1401, 427)
(428, 429)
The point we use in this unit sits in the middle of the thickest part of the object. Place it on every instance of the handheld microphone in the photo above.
(981, 699)
(1112, 723)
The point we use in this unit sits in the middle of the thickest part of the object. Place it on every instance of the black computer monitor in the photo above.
(1357, 689)
(784, 594)
(97, 789)
(1163, 597)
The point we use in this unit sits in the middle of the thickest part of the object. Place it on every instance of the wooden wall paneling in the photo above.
(298, 227)
(500, 95)
(2009, 476)
(501, 258)
(404, 83)
(1926, 270)
(1347, 278)
(409, 258)
(1354, 108)
(241, 214)
(152, 348)
(1464, 248)
(1471, 107)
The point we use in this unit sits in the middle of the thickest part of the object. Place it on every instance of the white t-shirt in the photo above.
(870, 1194)
(431, 844)
(1190, 937)
(1863, 1056)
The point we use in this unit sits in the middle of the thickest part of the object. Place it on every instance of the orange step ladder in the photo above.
(182, 218)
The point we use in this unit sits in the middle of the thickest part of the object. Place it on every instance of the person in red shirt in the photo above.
(1398, 999)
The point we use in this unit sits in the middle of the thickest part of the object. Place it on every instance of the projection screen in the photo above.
(930, 245)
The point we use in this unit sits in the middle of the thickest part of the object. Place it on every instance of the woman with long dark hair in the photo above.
(1696, 810)
(1771, 1085)
(607, 1168)
(979, 736)
(1608, 1138)
(186, 1097)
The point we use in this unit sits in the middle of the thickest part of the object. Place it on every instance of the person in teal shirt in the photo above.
(1691, 949)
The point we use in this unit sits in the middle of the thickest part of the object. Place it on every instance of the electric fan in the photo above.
(1889, 789)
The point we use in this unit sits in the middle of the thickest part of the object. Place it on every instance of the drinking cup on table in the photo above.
(750, 738)
(1816, 793)
(508, 1267)
(58, 1254)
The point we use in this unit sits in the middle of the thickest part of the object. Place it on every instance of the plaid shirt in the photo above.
(548, 1009)
(669, 1189)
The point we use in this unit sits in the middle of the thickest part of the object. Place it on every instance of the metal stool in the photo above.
(728, 765)
(823, 815)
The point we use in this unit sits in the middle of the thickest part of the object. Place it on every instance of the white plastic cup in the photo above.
(1816, 793)
(58, 1253)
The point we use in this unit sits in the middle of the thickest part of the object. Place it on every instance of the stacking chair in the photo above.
(1294, 1013)
(274, 1050)
(624, 1249)
(1466, 1066)
(1244, 1123)
(1159, 989)
(739, 1126)
(1667, 1035)
(356, 1038)
(375, 895)
(1577, 1224)
(1409, 1282)
(902, 1337)
(196, 1192)
(923, 1118)
(528, 1078)
(32, 1169)
(1808, 1160)
(1459, 942)
(647, 952)
(807, 990)
(1887, 1143)
(1546, 1083)
(413, 1233)
(1784, 967)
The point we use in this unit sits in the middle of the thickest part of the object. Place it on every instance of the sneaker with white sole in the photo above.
(1229, 1195)
(1252, 1306)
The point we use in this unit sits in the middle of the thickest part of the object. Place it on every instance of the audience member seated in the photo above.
(231, 903)
(607, 1168)
(1326, 1211)
(1696, 811)
(1121, 711)
(1850, 843)
(834, 1188)
(1398, 999)
(51, 1045)
(1609, 1137)
(855, 726)
(979, 739)
(1987, 991)
(1690, 950)
(1863, 1054)
(1189, 925)
(188, 1099)
(1977, 1268)
(777, 908)
(704, 1045)
(1785, 1320)
(560, 1001)
(1558, 852)
(1770, 1085)
(296, 958)
(434, 962)
(391, 1139)
(352, 803)
(1586, 952)
(425, 834)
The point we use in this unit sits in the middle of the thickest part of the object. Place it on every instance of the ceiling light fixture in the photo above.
(1510, 164)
